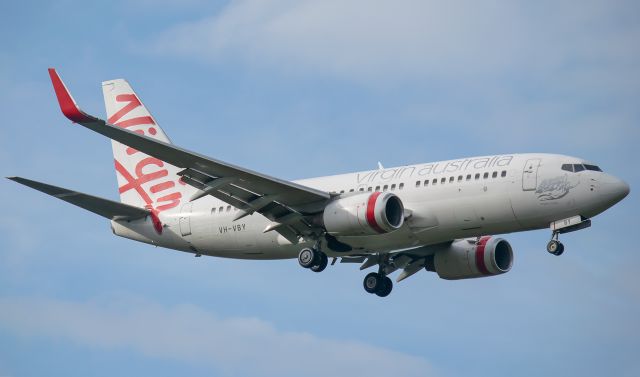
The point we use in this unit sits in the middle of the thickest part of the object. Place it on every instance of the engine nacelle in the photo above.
(465, 259)
(364, 214)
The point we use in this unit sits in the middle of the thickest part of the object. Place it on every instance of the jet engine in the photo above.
(364, 214)
(466, 259)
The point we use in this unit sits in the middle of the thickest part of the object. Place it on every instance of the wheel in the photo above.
(320, 266)
(307, 257)
(553, 246)
(385, 287)
(372, 282)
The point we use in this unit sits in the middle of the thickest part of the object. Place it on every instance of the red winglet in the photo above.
(66, 102)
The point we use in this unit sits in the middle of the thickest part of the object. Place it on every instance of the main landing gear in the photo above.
(554, 246)
(378, 283)
(313, 259)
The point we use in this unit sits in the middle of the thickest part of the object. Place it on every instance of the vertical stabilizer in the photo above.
(143, 180)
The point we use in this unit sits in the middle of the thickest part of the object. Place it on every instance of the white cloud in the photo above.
(378, 40)
(236, 346)
(508, 67)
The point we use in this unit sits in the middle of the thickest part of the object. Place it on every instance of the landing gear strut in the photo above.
(313, 259)
(554, 246)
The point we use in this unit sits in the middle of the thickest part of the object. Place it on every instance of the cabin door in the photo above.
(530, 174)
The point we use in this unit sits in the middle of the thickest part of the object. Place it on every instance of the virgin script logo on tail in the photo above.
(150, 178)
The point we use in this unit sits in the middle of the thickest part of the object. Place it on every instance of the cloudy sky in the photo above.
(307, 88)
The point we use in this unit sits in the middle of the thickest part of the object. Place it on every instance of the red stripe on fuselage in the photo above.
(371, 213)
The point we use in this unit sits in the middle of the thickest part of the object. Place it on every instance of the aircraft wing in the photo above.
(103, 207)
(285, 203)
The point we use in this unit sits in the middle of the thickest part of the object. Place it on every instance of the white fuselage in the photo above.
(443, 201)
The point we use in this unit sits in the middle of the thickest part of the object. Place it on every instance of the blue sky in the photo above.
(307, 88)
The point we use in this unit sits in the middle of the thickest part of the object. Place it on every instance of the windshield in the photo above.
(574, 168)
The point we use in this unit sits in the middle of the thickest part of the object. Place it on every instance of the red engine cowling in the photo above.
(364, 214)
(466, 259)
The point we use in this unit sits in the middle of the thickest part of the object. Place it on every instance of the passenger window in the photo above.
(417, 183)
(361, 189)
(435, 181)
(468, 177)
(504, 173)
(443, 180)
(385, 187)
(578, 167)
(485, 176)
(477, 176)
(459, 178)
(451, 179)
(567, 167)
(426, 182)
(369, 188)
(393, 187)
(220, 209)
(401, 186)
(494, 175)
(342, 191)
(228, 208)
(213, 210)
(377, 188)
(592, 167)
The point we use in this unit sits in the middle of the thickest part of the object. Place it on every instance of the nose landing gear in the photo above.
(567, 225)
(555, 247)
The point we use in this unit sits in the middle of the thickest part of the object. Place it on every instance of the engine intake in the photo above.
(364, 214)
(464, 259)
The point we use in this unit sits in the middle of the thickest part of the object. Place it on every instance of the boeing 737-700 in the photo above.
(435, 216)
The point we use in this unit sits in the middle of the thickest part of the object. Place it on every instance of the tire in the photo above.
(320, 266)
(307, 257)
(372, 282)
(560, 249)
(385, 287)
(553, 246)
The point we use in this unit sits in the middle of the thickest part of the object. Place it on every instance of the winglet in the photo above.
(67, 104)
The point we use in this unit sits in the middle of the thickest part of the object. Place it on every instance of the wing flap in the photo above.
(103, 207)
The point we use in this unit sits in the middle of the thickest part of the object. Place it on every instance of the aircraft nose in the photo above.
(623, 189)
(615, 189)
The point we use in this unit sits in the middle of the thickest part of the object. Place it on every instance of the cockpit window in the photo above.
(592, 167)
(580, 167)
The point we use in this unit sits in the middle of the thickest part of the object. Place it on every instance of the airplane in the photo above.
(436, 216)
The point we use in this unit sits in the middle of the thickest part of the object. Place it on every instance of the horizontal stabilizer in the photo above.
(103, 207)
